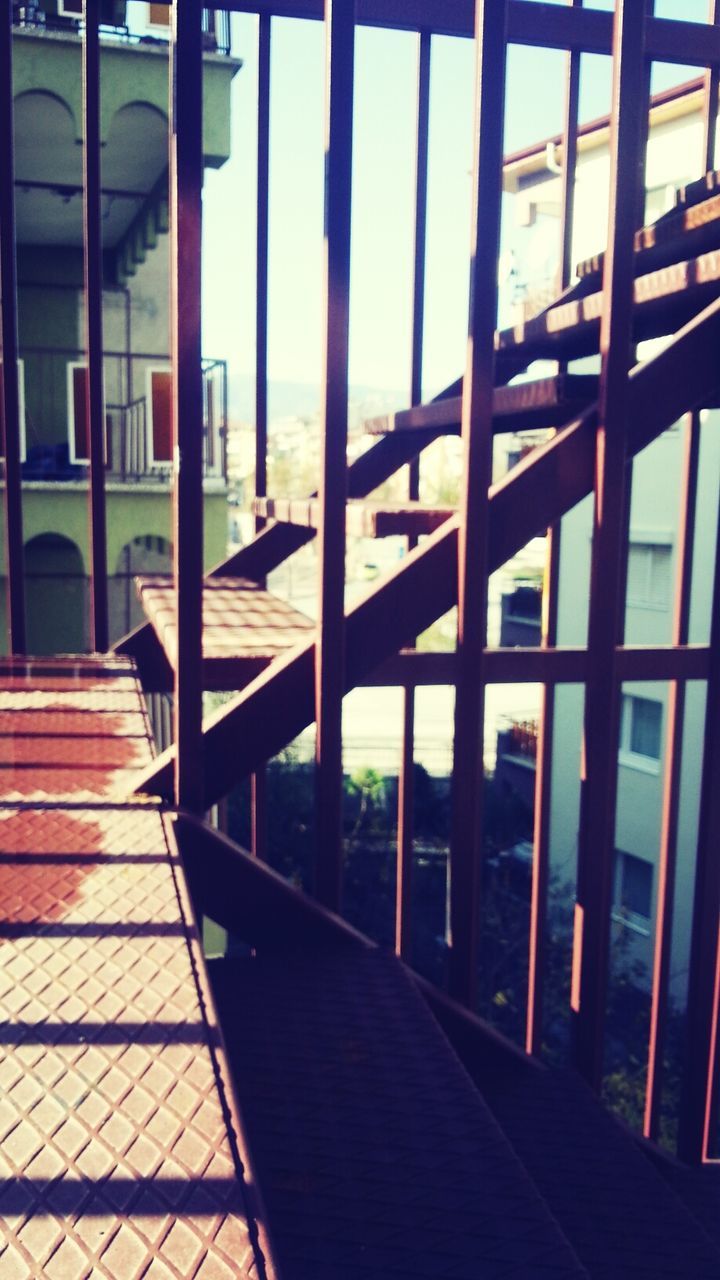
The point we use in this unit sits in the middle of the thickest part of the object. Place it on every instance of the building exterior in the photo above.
(49, 174)
(533, 178)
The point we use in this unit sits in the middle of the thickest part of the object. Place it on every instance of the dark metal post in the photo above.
(671, 786)
(543, 777)
(602, 705)
(330, 643)
(477, 408)
(710, 108)
(407, 761)
(261, 304)
(99, 638)
(258, 782)
(10, 389)
(702, 1009)
(186, 172)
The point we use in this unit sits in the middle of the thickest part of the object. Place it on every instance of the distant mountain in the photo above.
(302, 400)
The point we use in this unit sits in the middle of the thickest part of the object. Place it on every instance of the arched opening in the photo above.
(56, 588)
(148, 554)
(135, 156)
(46, 139)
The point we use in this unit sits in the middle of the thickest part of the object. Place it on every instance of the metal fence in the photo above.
(592, 454)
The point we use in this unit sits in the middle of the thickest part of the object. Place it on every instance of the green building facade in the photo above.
(48, 170)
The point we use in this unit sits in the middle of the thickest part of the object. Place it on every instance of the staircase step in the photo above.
(695, 192)
(687, 230)
(374, 1154)
(698, 1188)
(244, 627)
(362, 519)
(544, 402)
(664, 300)
(619, 1214)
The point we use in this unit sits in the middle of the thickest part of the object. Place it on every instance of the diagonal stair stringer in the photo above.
(273, 545)
(279, 704)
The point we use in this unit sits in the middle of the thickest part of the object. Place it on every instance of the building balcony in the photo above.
(137, 418)
(146, 25)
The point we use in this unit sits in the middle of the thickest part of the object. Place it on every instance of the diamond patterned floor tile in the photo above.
(111, 1123)
(376, 1156)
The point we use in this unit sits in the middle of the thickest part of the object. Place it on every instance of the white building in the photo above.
(533, 177)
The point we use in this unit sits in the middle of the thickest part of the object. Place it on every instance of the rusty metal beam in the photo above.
(696, 1110)
(406, 789)
(544, 402)
(330, 645)
(543, 779)
(277, 542)
(258, 782)
(710, 106)
(596, 841)
(545, 25)
(249, 898)
(279, 703)
(93, 279)
(667, 860)
(9, 389)
(154, 670)
(262, 257)
(477, 411)
(186, 175)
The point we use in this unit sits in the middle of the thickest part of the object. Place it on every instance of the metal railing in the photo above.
(32, 16)
(593, 455)
(51, 406)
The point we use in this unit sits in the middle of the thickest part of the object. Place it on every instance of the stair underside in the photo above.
(540, 403)
(375, 1155)
(621, 1217)
(362, 519)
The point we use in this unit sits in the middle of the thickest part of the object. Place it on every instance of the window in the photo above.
(640, 732)
(648, 578)
(70, 8)
(159, 401)
(78, 424)
(632, 891)
(21, 403)
(158, 15)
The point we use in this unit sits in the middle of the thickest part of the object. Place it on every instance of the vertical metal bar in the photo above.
(710, 106)
(186, 173)
(330, 642)
(262, 249)
(644, 137)
(10, 404)
(403, 910)
(92, 228)
(602, 703)
(671, 784)
(543, 777)
(477, 407)
(696, 1104)
(676, 705)
(702, 1009)
(258, 814)
(258, 787)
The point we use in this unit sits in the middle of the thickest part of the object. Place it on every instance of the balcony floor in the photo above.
(116, 1159)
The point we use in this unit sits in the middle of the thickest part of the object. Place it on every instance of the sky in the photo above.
(383, 175)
